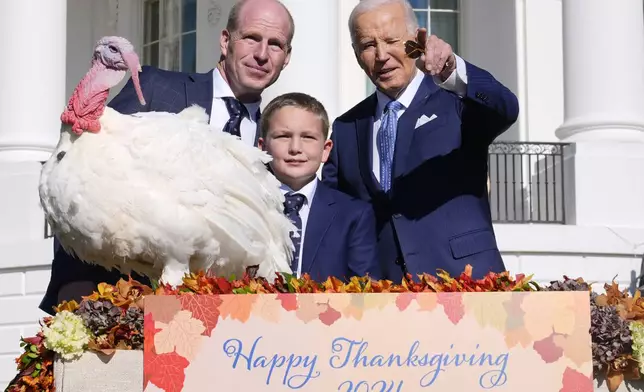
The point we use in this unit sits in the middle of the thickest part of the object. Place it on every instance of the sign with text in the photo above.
(396, 342)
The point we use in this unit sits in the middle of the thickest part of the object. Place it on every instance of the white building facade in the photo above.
(577, 67)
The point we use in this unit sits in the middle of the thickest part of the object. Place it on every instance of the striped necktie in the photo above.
(386, 140)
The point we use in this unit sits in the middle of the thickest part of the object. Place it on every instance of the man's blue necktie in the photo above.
(292, 207)
(237, 112)
(386, 140)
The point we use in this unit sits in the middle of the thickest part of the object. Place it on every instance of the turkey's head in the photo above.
(113, 57)
(117, 53)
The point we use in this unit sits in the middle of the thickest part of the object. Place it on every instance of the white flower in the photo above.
(67, 335)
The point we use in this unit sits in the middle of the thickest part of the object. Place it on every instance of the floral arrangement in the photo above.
(112, 317)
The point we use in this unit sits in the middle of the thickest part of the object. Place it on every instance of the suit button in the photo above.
(396, 216)
(481, 96)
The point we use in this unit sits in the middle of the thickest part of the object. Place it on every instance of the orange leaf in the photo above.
(165, 309)
(237, 306)
(203, 307)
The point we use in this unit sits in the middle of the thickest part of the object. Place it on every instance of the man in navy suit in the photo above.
(337, 233)
(255, 48)
(417, 148)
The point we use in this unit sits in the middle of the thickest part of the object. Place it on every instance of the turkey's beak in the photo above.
(132, 62)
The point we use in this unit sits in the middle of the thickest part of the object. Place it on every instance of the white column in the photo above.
(603, 70)
(32, 77)
(314, 67)
(604, 112)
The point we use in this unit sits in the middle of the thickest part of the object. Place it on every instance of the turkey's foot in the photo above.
(173, 273)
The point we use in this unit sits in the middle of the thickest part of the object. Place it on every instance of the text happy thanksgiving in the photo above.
(296, 371)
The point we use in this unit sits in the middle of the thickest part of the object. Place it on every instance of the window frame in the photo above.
(163, 42)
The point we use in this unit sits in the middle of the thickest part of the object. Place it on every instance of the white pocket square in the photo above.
(422, 120)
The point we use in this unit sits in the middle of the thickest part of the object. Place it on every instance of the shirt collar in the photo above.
(221, 89)
(405, 98)
(308, 190)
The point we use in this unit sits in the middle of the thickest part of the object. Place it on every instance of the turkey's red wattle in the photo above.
(87, 103)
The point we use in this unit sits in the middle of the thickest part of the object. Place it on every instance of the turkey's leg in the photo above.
(173, 272)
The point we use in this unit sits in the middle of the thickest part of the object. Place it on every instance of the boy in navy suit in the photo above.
(337, 232)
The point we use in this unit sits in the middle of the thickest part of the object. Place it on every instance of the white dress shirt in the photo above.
(456, 82)
(219, 115)
(308, 191)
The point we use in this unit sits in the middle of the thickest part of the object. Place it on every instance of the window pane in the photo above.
(422, 18)
(170, 55)
(189, 52)
(171, 18)
(444, 4)
(151, 55)
(445, 26)
(151, 21)
(189, 15)
(418, 3)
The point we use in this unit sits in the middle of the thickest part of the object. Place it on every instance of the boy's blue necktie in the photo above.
(292, 207)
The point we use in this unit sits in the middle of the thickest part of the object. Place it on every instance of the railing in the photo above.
(526, 182)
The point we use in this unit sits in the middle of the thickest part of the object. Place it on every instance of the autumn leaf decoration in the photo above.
(114, 314)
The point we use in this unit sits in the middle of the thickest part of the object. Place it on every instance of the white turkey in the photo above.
(158, 193)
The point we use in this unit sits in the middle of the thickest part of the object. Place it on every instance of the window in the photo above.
(170, 37)
(440, 17)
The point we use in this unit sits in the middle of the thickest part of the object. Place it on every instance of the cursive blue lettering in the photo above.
(356, 354)
(289, 364)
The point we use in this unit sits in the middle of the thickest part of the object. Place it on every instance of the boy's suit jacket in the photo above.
(340, 237)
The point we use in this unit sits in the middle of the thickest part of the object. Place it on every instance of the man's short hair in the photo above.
(233, 19)
(370, 5)
(298, 100)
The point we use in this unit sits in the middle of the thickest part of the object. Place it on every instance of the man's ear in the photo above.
(224, 41)
(261, 144)
(288, 58)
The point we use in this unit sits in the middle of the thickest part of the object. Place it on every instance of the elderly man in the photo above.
(255, 48)
(417, 148)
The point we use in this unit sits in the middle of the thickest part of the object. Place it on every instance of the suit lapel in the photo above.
(320, 217)
(364, 133)
(407, 123)
(199, 91)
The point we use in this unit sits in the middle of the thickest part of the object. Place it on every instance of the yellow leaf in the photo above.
(426, 301)
(237, 306)
(488, 309)
(376, 301)
(549, 312)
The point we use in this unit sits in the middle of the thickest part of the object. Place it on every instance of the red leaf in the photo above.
(148, 334)
(404, 299)
(573, 381)
(329, 316)
(224, 285)
(204, 308)
(166, 371)
(452, 305)
(547, 349)
(289, 301)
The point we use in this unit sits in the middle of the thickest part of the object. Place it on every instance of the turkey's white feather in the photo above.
(163, 194)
